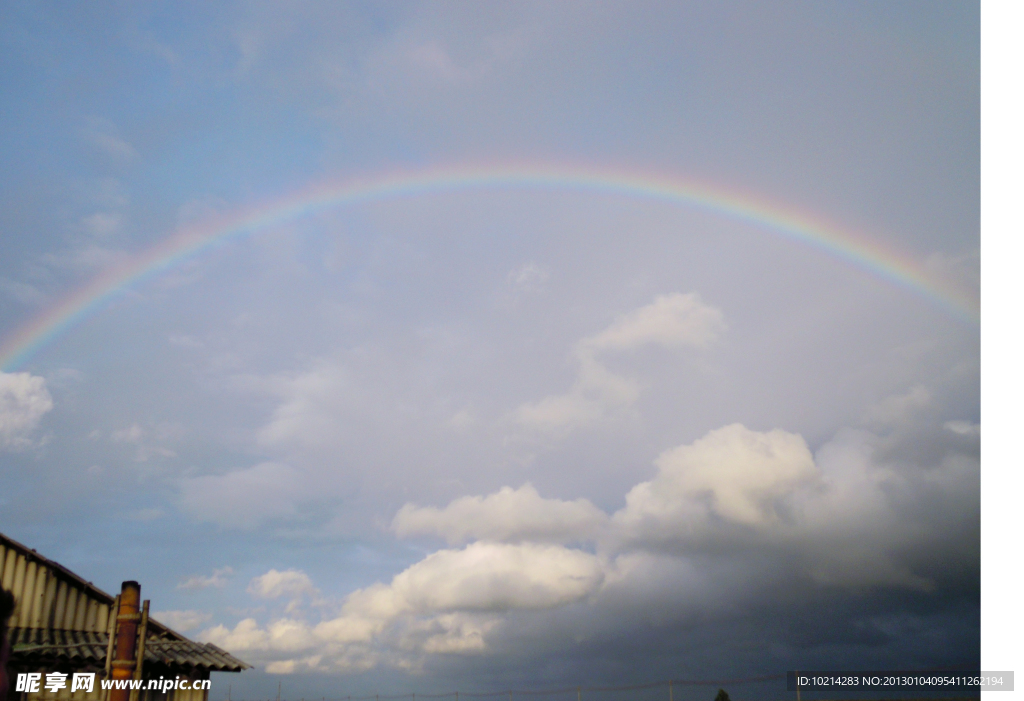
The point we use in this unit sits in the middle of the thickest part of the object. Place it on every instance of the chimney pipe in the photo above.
(127, 630)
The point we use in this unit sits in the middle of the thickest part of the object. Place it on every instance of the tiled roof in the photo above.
(91, 648)
(60, 615)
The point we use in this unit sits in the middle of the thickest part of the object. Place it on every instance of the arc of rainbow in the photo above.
(856, 249)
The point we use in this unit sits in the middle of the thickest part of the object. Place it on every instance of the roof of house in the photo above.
(29, 645)
(61, 616)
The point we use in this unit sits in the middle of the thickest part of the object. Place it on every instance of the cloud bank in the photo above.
(508, 516)
(732, 520)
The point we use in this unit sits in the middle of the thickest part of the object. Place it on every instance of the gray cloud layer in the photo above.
(733, 517)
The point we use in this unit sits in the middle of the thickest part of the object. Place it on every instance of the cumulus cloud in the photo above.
(24, 400)
(485, 577)
(508, 515)
(446, 603)
(732, 473)
(275, 584)
(596, 393)
(734, 517)
(843, 517)
(671, 321)
(218, 579)
(246, 635)
(289, 645)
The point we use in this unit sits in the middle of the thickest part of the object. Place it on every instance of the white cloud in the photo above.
(218, 579)
(24, 400)
(671, 321)
(247, 635)
(841, 518)
(282, 637)
(446, 603)
(705, 534)
(732, 473)
(182, 621)
(275, 584)
(507, 516)
(596, 393)
(452, 633)
(484, 577)
(285, 645)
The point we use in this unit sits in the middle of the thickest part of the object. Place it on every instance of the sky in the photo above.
(424, 346)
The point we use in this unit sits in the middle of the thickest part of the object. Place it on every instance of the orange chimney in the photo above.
(128, 617)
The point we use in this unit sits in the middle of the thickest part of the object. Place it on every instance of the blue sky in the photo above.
(501, 437)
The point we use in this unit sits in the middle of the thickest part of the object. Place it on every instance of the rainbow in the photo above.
(856, 249)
